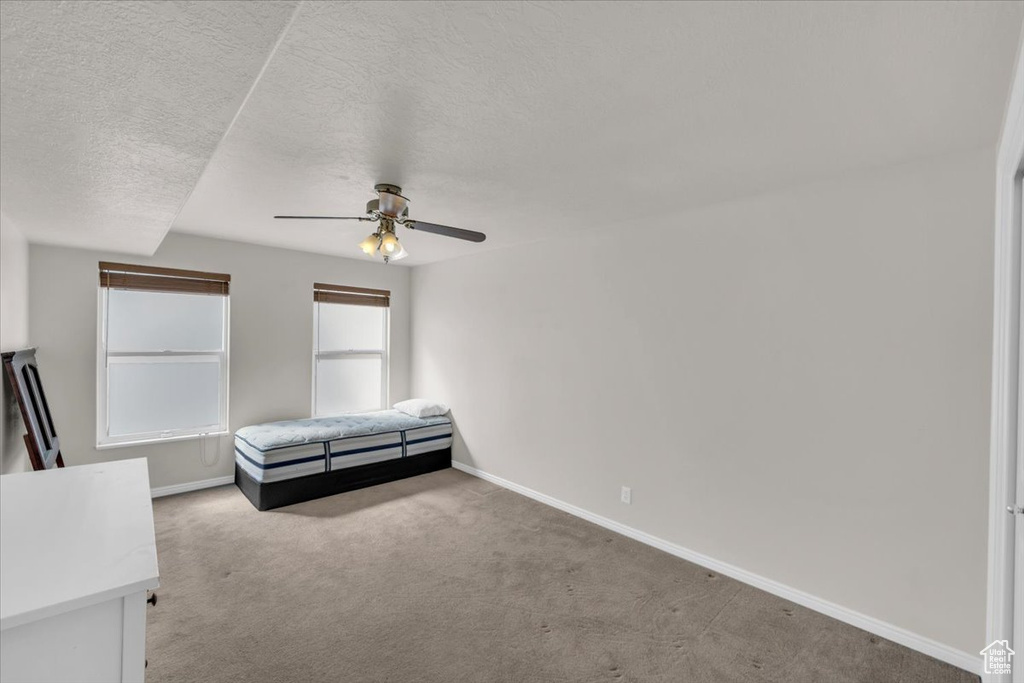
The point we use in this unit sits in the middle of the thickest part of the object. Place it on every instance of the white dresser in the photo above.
(77, 555)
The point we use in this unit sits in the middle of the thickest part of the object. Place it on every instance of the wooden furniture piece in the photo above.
(41, 439)
(77, 555)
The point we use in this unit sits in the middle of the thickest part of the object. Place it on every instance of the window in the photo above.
(162, 370)
(350, 349)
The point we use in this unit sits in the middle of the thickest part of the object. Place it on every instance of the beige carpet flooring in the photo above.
(448, 578)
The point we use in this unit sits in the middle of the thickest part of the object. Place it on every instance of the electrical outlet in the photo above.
(627, 495)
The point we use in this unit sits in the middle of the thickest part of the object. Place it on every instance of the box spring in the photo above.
(270, 495)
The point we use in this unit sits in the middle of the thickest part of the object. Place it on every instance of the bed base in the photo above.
(277, 494)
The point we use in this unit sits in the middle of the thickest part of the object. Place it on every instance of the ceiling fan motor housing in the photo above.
(373, 206)
(388, 187)
(390, 201)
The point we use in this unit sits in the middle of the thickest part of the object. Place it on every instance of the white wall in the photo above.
(796, 383)
(271, 340)
(13, 336)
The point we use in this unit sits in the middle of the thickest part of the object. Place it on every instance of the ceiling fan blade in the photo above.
(330, 218)
(458, 233)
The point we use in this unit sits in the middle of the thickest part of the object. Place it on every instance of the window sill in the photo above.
(154, 440)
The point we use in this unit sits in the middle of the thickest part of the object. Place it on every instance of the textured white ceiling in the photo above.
(516, 119)
(519, 119)
(109, 111)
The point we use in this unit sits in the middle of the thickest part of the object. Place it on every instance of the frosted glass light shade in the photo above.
(389, 244)
(392, 204)
(369, 245)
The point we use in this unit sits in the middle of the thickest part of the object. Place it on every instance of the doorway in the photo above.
(1006, 483)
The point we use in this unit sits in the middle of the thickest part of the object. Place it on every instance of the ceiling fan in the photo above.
(388, 210)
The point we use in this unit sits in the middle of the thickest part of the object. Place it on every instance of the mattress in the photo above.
(277, 451)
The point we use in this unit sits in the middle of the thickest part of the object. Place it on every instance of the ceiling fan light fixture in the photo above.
(389, 209)
(369, 245)
(389, 245)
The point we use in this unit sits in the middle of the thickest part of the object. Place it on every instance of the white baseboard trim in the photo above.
(932, 648)
(191, 486)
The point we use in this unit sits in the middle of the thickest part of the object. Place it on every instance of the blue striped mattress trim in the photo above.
(410, 442)
(367, 449)
(274, 465)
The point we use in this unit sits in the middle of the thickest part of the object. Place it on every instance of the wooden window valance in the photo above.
(358, 296)
(156, 279)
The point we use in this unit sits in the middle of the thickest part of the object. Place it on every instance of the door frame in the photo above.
(1006, 352)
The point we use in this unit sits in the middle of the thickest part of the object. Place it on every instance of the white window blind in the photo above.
(350, 349)
(163, 354)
